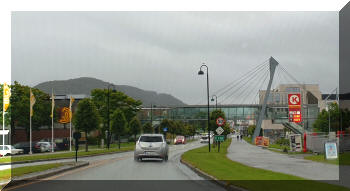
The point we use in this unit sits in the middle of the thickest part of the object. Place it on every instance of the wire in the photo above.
(237, 90)
(265, 74)
(233, 82)
(242, 80)
(261, 85)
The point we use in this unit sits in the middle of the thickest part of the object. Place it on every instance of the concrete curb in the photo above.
(206, 176)
(51, 172)
(52, 159)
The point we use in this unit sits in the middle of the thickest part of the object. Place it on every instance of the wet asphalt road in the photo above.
(121, 172)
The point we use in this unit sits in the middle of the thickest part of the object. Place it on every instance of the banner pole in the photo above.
(52, 105)
(3, 123)
(30, 134)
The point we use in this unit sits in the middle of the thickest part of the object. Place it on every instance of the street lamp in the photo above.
(328, 108)
(200, 72)
(108, 120)
(152, 116)
(216, 101)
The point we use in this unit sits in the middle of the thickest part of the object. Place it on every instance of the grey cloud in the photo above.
(162, 51)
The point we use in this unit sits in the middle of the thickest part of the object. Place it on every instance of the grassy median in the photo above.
(254, 179)
(344, 159)
(20, 171)
(59, 155)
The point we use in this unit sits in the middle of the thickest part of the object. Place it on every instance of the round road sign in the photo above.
(220, 121)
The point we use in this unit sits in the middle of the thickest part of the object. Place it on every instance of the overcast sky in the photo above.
(162, 51)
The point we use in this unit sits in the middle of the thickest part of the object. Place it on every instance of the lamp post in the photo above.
(328, 108)
(200, 72)
(152, 116)
(216, 101)
(108, 119)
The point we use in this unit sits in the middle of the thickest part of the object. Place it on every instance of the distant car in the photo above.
(45, 146)
(179, 140)
(204, 139)
(59, 143)
(151, 146)
(26, 148)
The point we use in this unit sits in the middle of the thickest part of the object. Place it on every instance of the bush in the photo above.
(132, 139)
(93, 140)
(283, 141)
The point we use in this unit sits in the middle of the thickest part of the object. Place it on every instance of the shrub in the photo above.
(283, 141)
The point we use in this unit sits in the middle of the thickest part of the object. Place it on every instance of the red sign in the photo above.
(294, 115)
(294, 105)
(294, 101)
(220, 121)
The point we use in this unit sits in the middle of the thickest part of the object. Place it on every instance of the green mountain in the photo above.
(84, 85)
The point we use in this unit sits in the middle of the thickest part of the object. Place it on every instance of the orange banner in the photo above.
(262, 141)
(65, 115)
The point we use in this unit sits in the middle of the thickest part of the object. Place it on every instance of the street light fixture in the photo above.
(216, 101)
(152, 116)
(108, 119)
(201, 72)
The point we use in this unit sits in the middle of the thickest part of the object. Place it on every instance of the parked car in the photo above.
(14, 151)
(179, 140)
(151, 146)
(59, 143)
(4, 151)
(45, 146)
(25, 147)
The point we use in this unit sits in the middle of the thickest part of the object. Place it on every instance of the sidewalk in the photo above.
(245, 153)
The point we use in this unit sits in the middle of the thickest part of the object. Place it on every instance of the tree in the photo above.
(192, 130)
(118, 124)
(166, 123)
(18, 111)
(135, 127)
(251, 130)
(201, 124)
(213, 116)
(227, 129)
(86, 118)
(172, 128)
(332, 115)
(147, 128)
(117, 99)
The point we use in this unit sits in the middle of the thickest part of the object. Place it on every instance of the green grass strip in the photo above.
(219, 166)
(58, 155)
(8, 173)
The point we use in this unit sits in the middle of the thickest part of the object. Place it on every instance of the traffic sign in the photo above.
(220, 121)
(219, 130)
(165, 129)
(219, 138)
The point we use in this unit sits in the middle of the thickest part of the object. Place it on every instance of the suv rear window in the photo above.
(151, 139)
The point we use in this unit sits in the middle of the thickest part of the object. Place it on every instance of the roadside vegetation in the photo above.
(114, 149)
(222, 168)
(20, 171)
(344, 159)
